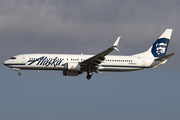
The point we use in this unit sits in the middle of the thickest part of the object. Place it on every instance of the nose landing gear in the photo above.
(17, 69)
(19, 73)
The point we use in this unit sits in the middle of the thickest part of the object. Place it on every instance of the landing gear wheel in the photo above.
(19, 73)
(88, 77)
(89, 74)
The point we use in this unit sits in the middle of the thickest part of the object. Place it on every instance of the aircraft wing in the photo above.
(94, 61)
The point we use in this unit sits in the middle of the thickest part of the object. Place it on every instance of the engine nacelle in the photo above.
(71, 73)
(72, 66)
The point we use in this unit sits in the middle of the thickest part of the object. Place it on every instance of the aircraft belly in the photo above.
(120, 69)
(42, 68)
(25, 67)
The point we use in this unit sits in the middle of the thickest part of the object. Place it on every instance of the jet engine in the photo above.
(72, 69)
(72, 66)
(70, 73)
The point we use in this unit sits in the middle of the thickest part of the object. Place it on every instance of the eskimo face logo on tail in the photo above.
(160, 47)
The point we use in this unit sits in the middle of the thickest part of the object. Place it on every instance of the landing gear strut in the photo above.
(89, 74)
(17, 69)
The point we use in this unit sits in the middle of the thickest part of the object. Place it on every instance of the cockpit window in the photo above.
(13, 58)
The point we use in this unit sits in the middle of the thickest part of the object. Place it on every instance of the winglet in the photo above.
(116, 43)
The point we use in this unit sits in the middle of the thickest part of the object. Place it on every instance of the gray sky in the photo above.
(68, 26)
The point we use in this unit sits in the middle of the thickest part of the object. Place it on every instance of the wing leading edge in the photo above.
(94, 61)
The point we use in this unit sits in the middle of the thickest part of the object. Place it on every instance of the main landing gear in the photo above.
(89, 74)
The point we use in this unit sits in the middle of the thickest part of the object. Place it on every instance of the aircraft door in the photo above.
(23, 59)
(143, 62)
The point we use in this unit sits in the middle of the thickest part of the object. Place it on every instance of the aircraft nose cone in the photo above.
(5, 62)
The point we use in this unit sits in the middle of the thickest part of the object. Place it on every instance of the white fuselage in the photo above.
(57, 62)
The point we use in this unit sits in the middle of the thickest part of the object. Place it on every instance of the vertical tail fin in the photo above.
(159, 48)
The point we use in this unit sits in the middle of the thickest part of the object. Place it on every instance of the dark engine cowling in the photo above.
(72, 69)
(70, 73)
(73, 66)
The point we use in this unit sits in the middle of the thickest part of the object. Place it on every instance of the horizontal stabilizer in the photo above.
(164, 57)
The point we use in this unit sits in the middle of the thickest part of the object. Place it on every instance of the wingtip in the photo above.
(116, 42)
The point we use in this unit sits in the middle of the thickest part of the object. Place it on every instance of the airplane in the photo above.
(75, 64)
